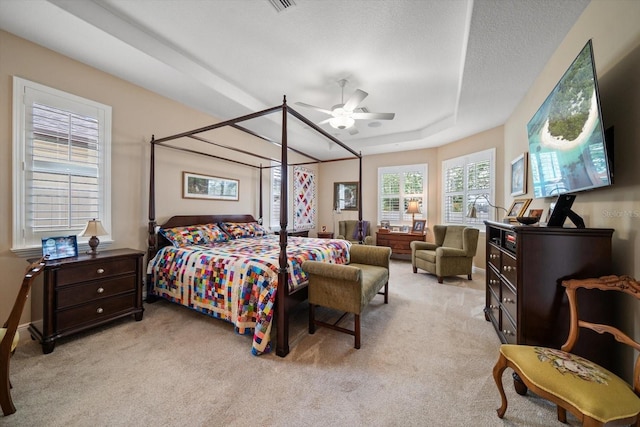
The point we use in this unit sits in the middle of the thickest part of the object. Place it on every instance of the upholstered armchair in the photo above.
(450, 255)
(348, 230)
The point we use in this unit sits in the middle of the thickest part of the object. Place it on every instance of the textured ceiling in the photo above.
(446, 68)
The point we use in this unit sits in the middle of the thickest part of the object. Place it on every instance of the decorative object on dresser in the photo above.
(517, 208)
(86, 291)
(9, 336)
(450, 255)
(523, 300)
(398, 242)
(419, 226)
(93, 229)
(473, 211)
(413, 208)
(325, 234)
(593, 394)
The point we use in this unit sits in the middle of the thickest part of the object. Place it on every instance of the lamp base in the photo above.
(93, 244)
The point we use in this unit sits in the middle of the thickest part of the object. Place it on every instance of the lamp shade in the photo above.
(413, 207)
(94, 228)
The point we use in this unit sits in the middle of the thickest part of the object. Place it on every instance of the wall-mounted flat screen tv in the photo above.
(567, 149)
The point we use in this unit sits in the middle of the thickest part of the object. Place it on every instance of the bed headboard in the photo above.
(184, 220)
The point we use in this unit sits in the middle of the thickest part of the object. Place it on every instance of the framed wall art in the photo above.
(345, 196)
(196, 186)
(519, 175)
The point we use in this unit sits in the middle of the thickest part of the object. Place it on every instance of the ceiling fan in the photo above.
(344, 115)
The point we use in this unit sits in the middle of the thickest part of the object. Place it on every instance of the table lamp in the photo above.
(413, 209)
(94, 228)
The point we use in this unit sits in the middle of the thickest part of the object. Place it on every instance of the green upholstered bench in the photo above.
(348, 287)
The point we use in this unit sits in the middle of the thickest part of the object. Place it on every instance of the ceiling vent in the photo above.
(281, 5)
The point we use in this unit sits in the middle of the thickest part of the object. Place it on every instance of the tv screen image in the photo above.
(567, 150)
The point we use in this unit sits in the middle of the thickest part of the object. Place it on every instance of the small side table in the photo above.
(325, 234)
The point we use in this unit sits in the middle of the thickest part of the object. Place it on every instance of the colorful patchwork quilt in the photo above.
(237, 280)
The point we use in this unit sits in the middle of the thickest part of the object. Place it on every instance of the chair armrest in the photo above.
(371, 255)
(332, 271)
(417, 245)
(368, 240)
(443, 251)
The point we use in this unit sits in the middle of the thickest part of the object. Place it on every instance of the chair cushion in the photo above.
(426, 255)
(16, 338)
(589, 387)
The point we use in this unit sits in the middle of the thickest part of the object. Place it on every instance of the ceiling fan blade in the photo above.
(355, 100)
(323, 110)
(373, 116)
(325, 121)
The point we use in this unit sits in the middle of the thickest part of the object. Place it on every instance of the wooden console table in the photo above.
(398, 242)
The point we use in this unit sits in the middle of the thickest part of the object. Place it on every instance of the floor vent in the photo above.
(281, 5)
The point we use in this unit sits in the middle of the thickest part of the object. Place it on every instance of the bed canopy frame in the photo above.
(285, 300)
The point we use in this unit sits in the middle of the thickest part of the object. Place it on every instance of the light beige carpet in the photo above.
(426, 360)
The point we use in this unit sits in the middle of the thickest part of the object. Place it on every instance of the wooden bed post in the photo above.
(260, 218)
(360, 230)
(282, 336)
(152, 239)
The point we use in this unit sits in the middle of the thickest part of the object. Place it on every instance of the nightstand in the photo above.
(74, 294)
(325, 234)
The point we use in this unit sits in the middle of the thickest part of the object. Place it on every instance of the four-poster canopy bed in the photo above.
(241, 282)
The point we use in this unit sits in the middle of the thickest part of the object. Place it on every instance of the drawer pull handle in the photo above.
(99, 310)
(100, 270)
(507, 300)
(507, 332)
(100, 290)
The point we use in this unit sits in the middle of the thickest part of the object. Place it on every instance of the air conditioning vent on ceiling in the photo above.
(281, 5)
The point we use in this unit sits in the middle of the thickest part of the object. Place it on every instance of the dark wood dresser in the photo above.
(525, 299)
(398, 242)
(82, 292)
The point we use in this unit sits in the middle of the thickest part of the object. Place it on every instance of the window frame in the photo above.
(464, 161)
(405, 218)
(24, 241)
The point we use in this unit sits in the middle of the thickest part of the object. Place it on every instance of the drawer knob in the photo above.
(99, 310)
(100, 290)
(507, 332)
(100, 270)
(507, 300)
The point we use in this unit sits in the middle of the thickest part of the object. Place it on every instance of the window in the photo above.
(469, 181)
(61, 163)
(397, 186)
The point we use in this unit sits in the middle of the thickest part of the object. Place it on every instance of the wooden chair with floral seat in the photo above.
(9, 335)
(593, 394)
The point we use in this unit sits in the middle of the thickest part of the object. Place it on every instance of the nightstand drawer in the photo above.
(95, 311)
(79, 294)
(91, 271)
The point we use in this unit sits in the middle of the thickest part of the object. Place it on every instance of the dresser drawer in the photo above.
(493, 258)
(79, 294)
(509, 269)
(494, 282)
(509, 302)
(95, 311)
(494, 306)
(91, 271)
(509, 331)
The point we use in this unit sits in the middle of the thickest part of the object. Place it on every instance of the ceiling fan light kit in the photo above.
(344, 114)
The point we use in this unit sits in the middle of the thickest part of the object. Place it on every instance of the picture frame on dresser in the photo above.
(418, 226)
(517, 208)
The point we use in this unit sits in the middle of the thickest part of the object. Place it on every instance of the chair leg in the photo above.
(312, 323)
(469, 277)
(5, 393)
(415, 269)
(498, 369)
(386, 293)
(562, 414)
(439, 279)
(357, 330)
